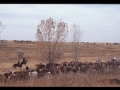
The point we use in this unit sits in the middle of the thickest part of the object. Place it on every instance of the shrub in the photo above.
(20, 53)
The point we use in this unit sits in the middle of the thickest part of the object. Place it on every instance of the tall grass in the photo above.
(88, 79)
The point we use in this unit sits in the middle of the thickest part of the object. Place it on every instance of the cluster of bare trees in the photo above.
(51, 36)
(1, 28)
(2, 42)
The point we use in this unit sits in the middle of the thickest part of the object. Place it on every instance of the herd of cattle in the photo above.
(55, 68)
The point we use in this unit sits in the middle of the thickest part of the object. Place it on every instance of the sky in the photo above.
(99, 22)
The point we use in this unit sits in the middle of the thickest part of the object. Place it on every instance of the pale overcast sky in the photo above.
(99, 22)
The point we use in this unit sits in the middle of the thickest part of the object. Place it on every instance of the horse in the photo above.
(24, 61)
(17, 65)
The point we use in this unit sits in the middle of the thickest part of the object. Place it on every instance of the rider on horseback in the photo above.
(98, 60)
(115, 59)
(18, 61)
(23, 59)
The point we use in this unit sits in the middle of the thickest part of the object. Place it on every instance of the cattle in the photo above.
(40, 65)
(10, 75)
(85, 63)
(42, 72)
(104, 64)
(84, 68)
(94, 67)
(52, 65)
(62, 69)
(70, 64)
(48, 65)
(21, 74)
(90, 63)
(15, 77)
(64, 63)
(48, 75)
(55, 70)
(110, 64)
(80, 64)
(17, 72)
(73, 63)
(33, 74)
(75, 69)
(56, 64)
(68, 68)
(7, 75)
(27, 68)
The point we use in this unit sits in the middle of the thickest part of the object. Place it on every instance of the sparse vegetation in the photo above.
(20, 53)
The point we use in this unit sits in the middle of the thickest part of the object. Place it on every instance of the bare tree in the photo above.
(50, 37)
(76, 34)
(1, 29)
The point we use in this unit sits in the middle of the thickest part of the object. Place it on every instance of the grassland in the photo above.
(9, 56)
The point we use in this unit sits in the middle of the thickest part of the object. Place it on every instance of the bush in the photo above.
(20, 53)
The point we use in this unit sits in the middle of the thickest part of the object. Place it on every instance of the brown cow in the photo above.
(84, 68)
(93, 67)
(40, 65)
(110, 63)
(90, 63)
(62, 69)
(68, 69)
(64, 63)
(80, 64)
(70, 64)
(75, 69)
(55, 70)
(56, 64)
(105, 64)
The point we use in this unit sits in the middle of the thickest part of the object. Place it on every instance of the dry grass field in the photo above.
(9, 56)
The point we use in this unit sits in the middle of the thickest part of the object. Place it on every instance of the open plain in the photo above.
(88, 53)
